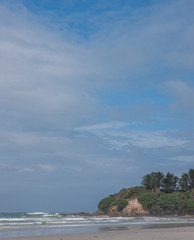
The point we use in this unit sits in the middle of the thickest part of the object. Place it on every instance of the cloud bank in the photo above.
(91, 95)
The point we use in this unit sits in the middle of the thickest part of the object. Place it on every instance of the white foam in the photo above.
(36, 213)
(74, 219)
(12, 219)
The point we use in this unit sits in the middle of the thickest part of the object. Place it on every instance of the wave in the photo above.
(13, 219)
(36, 213)
(57, 220)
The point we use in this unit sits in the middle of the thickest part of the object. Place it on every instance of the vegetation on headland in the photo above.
(159, 194)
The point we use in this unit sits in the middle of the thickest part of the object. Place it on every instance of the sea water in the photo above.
(40, 223)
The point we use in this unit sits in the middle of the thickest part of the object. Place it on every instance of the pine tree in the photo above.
(146, 181)
(153, 181)
(170, 182)
(191, 179)
(184, 182)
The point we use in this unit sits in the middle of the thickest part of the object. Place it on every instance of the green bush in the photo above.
(156, 210)
(191, 195)
(122, 204)
(121, 194)
(105, 203)
(114, 203)
(173, 203)
(190, 206)
(134, 192)
(187, 194)
(123, 189)
(148, 199)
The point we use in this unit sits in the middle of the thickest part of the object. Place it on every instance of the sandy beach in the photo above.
(137, 233)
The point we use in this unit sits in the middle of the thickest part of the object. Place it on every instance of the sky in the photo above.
(93, 96)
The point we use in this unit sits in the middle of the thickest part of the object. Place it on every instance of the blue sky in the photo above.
(93, 95)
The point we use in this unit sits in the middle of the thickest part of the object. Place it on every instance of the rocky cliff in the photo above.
(133, 208)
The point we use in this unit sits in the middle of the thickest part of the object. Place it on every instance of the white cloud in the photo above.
(156, 139)
(123, 139)
(120, 138)
(50, 79)
(41, 73)
(27, 170)
(16, 168)
(47, 167)
(184, 159)
(45, 74)
(184, 95)
(101, 126)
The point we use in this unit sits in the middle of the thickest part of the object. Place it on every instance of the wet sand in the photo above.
(133, 233)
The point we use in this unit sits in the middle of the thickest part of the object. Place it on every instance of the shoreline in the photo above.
(94, 214)
(74, 227)
(159, 232)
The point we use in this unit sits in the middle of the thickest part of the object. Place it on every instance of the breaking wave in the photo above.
(42, 223)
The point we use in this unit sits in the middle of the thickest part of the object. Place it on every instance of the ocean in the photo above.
(40, 223)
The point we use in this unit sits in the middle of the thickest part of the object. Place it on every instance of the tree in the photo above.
(153, 181)
(146, 181)
(159, 178)
(191, 179)
(184, 182)
(169, 183)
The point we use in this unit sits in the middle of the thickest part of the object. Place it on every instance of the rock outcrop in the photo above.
(113, 211)
(133, 208)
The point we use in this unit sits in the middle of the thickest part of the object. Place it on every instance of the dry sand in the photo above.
(138, 233)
